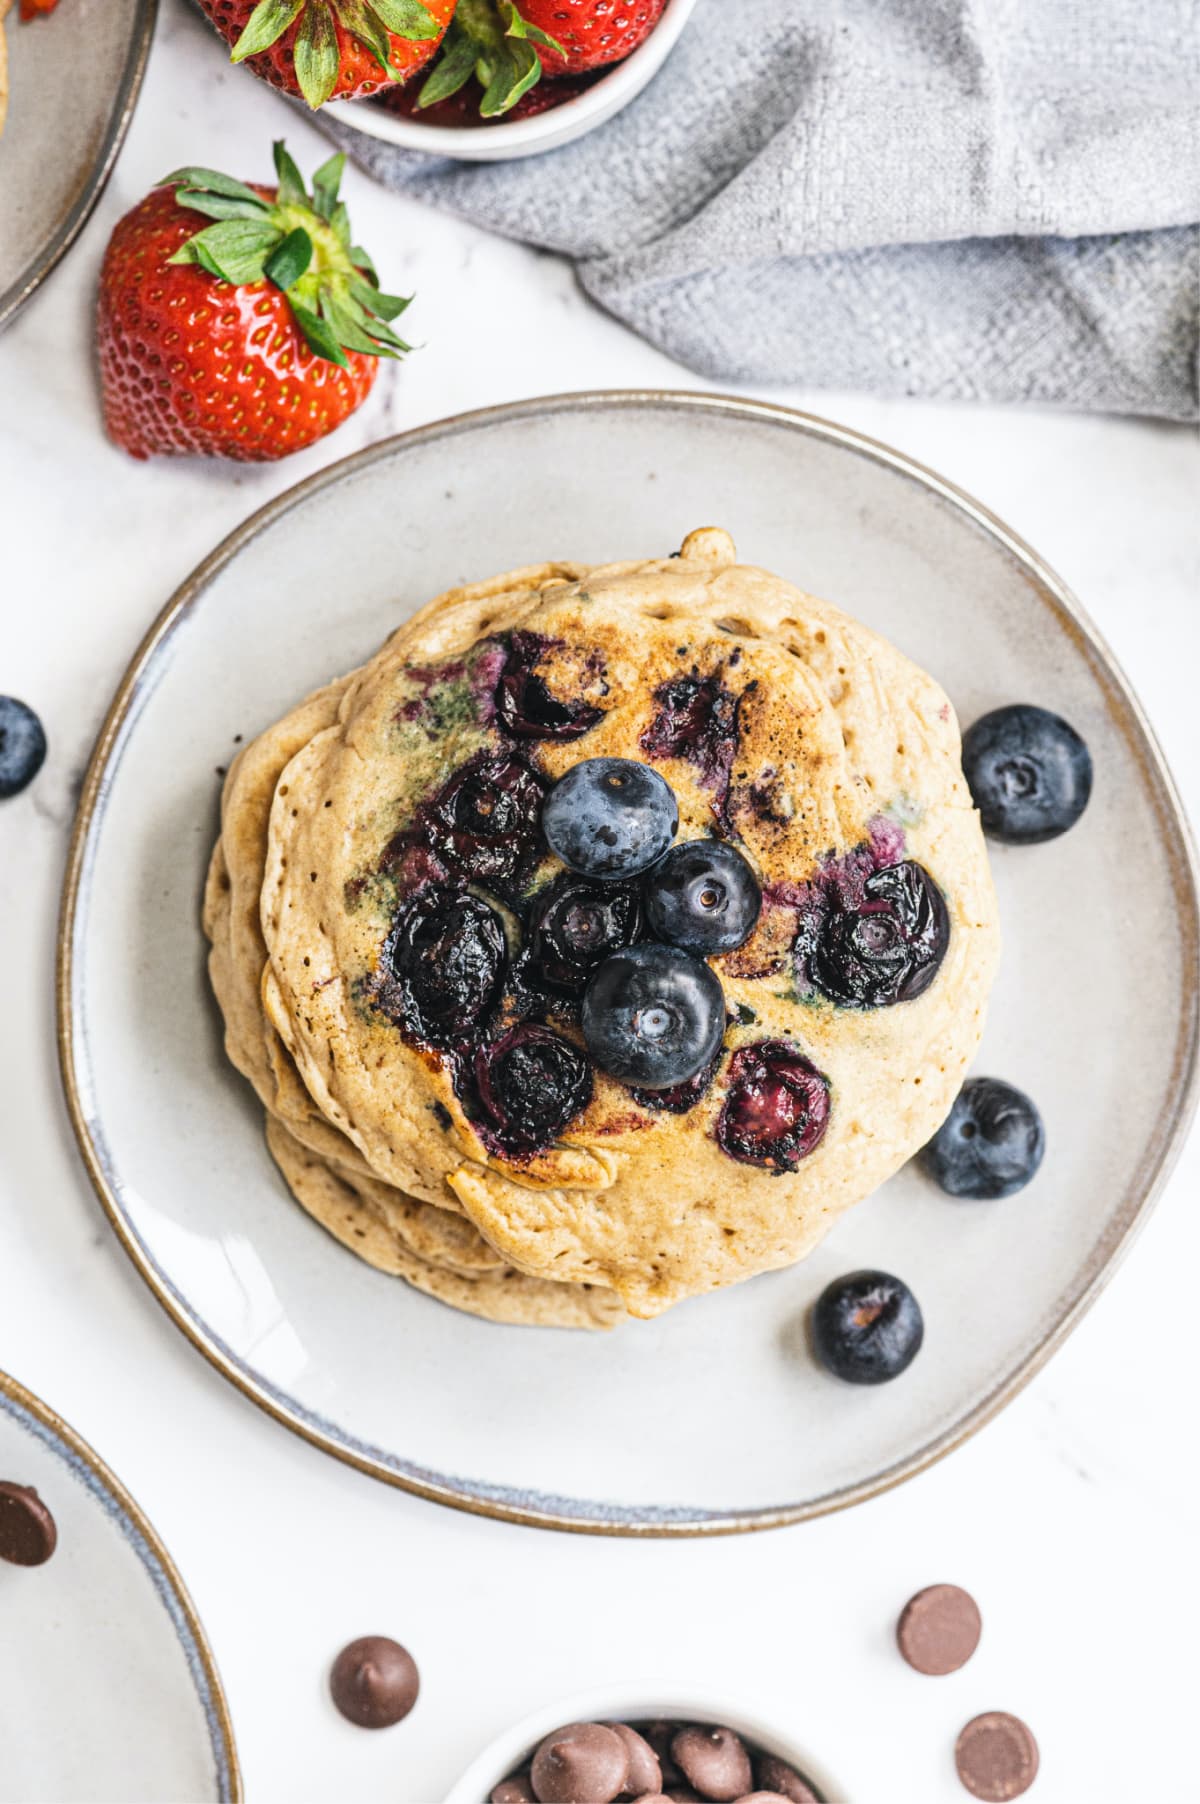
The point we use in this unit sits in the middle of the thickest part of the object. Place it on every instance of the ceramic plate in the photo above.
(609, 1432)
(107, 1619)
(73, 77)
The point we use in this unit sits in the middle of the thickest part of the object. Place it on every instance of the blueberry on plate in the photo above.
(1029, 773)
(867, 1327)
(653, 1016)
(990, 1144)
(610, 817)
(22, 745)
(704, 897)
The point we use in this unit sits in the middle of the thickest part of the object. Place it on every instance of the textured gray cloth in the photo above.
(969, 199)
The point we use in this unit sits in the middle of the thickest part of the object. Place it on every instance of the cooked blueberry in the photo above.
(867, 1327)
(677, 1099)
(990, 1144)
(703, 896)
(695, 718)
(575, 924)
(524, 702)
(531, 1083)
(483, 823)
(776, 1106)
(610, 817)
(1029, 773)
(653, 1016)
(443, 966)
(22, 745)
(887, 949)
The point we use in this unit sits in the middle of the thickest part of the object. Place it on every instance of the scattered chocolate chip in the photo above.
(374, 1682)
(939, 1629)
(775, 1775)
(996, 1757)
(644, 1777)
(581, 1763)
(713, 1760)
(516, 1790)
(28, 1535)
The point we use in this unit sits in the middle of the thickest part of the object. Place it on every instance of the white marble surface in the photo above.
(1073, 1517)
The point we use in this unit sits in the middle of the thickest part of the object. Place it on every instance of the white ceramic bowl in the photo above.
(614, 1703)
(527, 137)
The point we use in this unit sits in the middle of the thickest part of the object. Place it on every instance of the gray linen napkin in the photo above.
(968, 199)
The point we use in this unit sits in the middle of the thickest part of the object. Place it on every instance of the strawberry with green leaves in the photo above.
(331, 49)
(590, 34)
(250, 336)
(494, 43)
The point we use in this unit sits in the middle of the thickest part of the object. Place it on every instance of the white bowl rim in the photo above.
(544, 131)
(611, 1703)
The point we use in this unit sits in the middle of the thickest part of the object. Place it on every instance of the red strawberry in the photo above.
(592, 33)
(331, 49)
(462, 107)
(32, 9)
(250, 337)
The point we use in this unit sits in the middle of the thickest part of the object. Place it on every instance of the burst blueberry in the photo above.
(867, 1327)
(989, 1145)
(1029, 773)
(443, 966)
(575, 924)
(889, 948)
(653, 1016)
(22, 745)
(776, 1106)
(610, 818)
(703, 896)
(524, 702)
(531, 1083)
(483, 823)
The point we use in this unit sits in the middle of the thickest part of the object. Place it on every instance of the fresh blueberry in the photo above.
(890, 947)
(703, 896)
(1029, 773)
(443, 966)
(990, 1144)
(524, 702)
(867, 1327)
(531, 1082)
(653, 1016)
(610, 817)
(776, 1106)
(575, 924)
(22, 745)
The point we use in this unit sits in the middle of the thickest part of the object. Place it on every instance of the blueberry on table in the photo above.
(22, 745)
(610, 817)
(867, 1327)
(888, 949)
(704, 897)
(653, 1016)
(1029, 773)
(989, 1145)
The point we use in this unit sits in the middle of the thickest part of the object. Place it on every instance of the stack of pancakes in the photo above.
(836, 738)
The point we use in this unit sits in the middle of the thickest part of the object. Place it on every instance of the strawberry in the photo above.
(592, 33)
(32, 9)
(462, 108)
(494, 43)
(249, 337)
(331, 49)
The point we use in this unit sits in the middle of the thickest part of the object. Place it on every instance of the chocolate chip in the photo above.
(581, 1763)
(28, 1535)
(374, 1682)
(939, 1629)
(516, 1790)
(714, 1761)
(763, 1797)
(776, 1776)
(644, 1777)
(996, 1757)
(660, 1735)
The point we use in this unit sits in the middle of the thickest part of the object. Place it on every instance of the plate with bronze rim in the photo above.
(612, 1433)
(106, 1618)
(74, 78)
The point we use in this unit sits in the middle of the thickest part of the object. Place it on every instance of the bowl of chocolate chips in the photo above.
(603, 1746)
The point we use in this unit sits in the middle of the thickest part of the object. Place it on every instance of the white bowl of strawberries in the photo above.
(581, 62)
